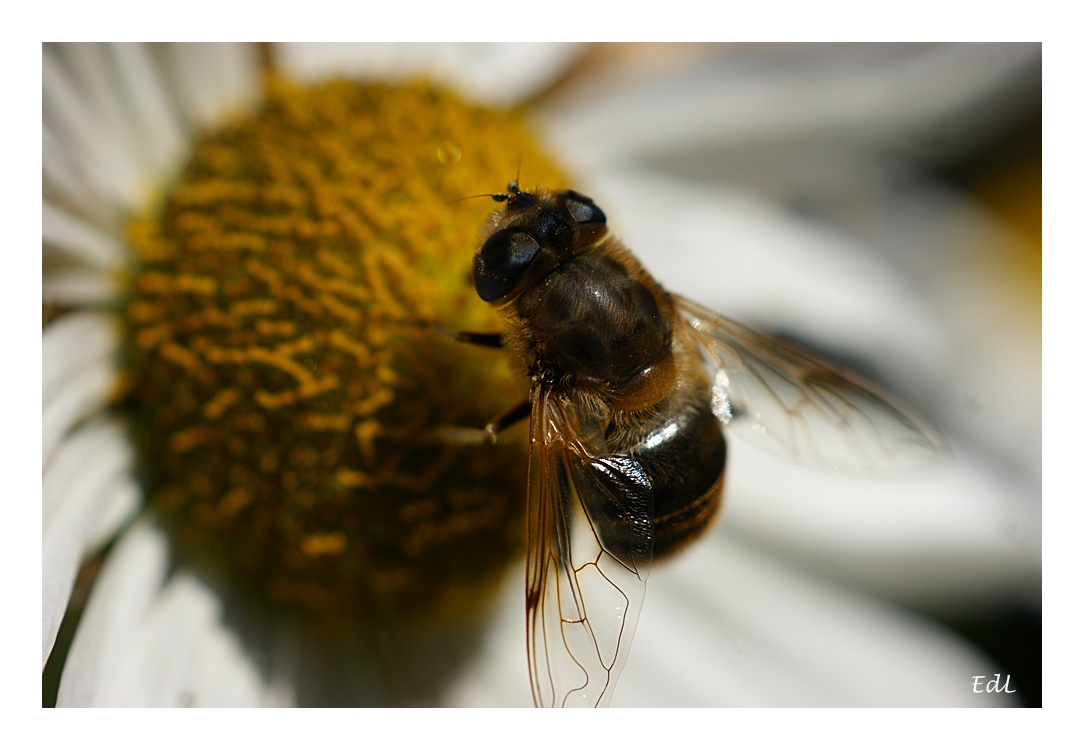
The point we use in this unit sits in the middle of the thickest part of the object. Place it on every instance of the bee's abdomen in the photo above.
(685, 460)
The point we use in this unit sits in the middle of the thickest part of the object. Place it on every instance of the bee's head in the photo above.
(515, 198)
(534, 234)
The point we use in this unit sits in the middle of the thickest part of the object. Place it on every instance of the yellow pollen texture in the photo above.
(285, 381)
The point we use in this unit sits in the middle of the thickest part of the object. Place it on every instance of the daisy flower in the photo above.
(247, 498)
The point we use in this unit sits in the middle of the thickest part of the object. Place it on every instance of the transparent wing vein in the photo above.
(586, 560)
(786, 399)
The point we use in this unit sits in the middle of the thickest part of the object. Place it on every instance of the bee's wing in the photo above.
(785, 398)
(588, 550)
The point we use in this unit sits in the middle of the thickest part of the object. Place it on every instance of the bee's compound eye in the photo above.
(502, 261)
(582, 209)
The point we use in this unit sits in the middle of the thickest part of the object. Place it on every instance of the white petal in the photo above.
(724, 626)
(72, 342)
(211, 80)
(88, 470)
(957, 535)
(511, 72)
(113, 110)
(92, 69)
(156, 668)
(66, 184)
(980, 275)
(85, 462)
(76, 287)
(152, 639)
(121, 501)
(222, 674)
(68, 236)
(159, 130)
(907, 98)
(85, 392)
(68, 108)
(491, 73)
(129, 580)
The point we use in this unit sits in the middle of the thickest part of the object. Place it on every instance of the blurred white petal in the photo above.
(959, 534)
(85, 393)
(110, 165)
(210, 80)
(120, 502)
(66, 183)
(69, 344)
(70, 238)
(900, 97)
(726, 625)
(96, 75)
(222, 675)
(90, 466)
(969, 265)
(160, 132)
(158, 664)
(495, 73)
(76, 287)
(130, 579)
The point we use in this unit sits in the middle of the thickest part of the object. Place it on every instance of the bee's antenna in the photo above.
(499, 197)
(513, 192)
(513, 185)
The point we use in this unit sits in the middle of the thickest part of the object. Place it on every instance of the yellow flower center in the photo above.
(289, 394)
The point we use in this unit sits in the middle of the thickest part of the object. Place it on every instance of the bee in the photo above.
(629, 385)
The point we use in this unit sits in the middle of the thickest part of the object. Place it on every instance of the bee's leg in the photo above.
(517, 413)
(455, 435)
(474, 436)
(488, 340)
